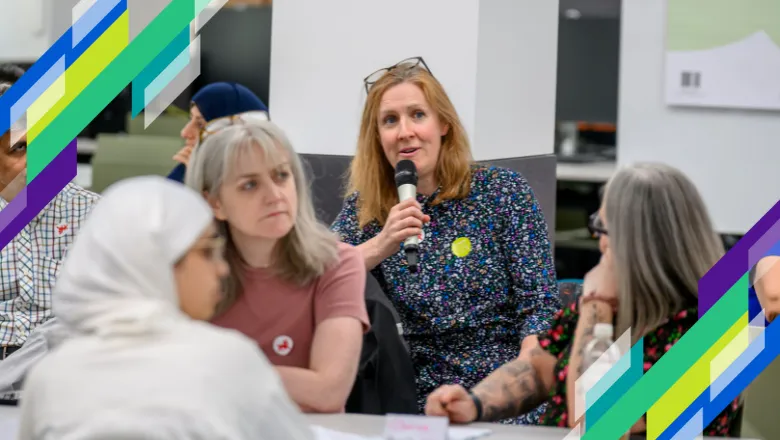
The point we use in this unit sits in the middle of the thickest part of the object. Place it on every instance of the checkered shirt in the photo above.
(30, 263)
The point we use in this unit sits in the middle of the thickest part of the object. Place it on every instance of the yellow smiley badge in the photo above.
(461, 247)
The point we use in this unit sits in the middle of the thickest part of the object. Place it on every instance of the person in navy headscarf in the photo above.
(216, 100)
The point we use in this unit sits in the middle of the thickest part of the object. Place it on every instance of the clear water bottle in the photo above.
(598, 357)
(600, 344)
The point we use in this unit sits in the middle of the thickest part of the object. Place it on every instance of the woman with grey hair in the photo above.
(293, 287)
(656, 241)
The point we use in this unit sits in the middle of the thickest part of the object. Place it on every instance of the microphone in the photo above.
(406, 181)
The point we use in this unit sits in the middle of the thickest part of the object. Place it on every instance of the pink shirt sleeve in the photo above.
(340, 291)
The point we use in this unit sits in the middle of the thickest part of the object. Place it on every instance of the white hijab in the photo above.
(136, 367)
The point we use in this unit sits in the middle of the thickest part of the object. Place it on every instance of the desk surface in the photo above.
(348, 423)
(374, 425)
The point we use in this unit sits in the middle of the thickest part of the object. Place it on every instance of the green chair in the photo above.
(165, 125)
(761, 401)
(122, 156)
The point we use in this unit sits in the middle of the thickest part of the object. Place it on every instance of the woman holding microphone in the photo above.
(485, 278)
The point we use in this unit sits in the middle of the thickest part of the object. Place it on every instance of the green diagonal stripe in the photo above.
(96, 96)
(673, 365)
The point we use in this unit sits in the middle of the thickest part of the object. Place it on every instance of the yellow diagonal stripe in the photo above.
(694, 381)
(730, 352)
(48, 99)
(82, 72)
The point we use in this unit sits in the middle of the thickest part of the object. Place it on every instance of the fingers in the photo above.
(436, 404)
(405, 220)
(183, 155)
(453, 402)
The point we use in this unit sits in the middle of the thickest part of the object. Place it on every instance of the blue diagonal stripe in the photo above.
(62, 47)
(91, 19)
(46, 80)
(714, 406)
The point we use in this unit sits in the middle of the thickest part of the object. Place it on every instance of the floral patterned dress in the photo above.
(558, 342)
(486, 280)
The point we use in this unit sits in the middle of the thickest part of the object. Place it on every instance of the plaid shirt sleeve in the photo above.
(29, 265)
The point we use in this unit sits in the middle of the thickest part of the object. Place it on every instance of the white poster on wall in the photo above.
(723, 53)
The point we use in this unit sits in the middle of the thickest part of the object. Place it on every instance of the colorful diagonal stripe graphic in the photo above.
(110, 44)
(711, 364)
(153, 46)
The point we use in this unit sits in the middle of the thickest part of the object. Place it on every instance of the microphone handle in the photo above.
(405, 192)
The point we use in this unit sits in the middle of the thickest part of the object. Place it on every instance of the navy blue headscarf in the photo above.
(218, 100)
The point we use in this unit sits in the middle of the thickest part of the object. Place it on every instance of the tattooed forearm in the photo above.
(591, 315)
(512, 390)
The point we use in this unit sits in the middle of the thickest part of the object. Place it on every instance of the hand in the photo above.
(453, 402)
(405, 220)
(601, 279)
(183, 156)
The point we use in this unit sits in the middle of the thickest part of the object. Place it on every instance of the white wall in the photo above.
(488, 54)
(516, 78)
(733, 156)
(24, 30)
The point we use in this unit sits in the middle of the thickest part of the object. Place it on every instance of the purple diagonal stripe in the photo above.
(737, 261)
(764, 244)
(12, 210)
(46, 185)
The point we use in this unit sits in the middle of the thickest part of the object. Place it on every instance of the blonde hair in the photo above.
(662, 242)
(309, 248)
(370, 174)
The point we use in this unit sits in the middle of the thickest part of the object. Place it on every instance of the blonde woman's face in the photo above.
(259, 199)
(410, 129)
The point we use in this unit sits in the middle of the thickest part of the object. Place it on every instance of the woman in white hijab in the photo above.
(143, 274)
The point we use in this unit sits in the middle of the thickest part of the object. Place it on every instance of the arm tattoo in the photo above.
(512, 390)
(593, 317)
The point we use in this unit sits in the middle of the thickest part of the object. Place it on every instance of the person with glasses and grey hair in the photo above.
(485, 278)
(293, 288)
(656, 240)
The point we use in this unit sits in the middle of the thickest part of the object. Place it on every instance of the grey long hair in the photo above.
(309, 248)
(662, 242)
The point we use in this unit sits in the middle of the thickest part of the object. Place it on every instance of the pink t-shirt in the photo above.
(282, 316)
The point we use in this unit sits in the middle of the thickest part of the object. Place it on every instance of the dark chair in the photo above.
(386, 380)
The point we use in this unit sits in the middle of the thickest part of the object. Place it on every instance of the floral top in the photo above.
(485, 280)
(558, 342)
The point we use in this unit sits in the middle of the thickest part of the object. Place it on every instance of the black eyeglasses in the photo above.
(407, 64)
(596, 226)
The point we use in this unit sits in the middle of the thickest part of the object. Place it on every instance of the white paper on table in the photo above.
(322, 433)
(464, 433)
(453, 433)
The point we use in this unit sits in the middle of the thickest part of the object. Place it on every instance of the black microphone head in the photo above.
(405, 173)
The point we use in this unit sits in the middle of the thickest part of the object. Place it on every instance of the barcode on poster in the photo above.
(690, 80)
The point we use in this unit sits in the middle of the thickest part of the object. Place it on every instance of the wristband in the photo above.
(477, 404)
(613, 303)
